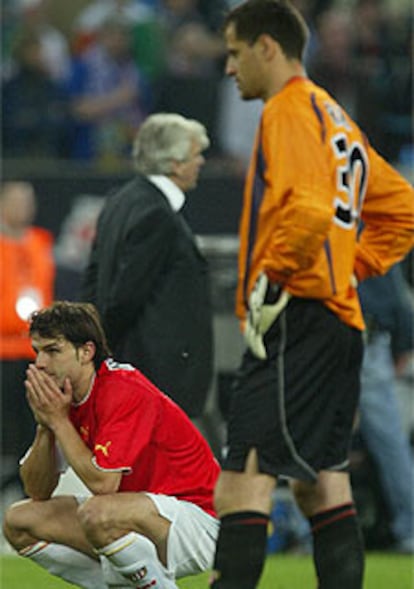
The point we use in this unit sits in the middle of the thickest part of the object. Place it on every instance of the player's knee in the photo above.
(17, 523)
(92, 515)
(9, 525)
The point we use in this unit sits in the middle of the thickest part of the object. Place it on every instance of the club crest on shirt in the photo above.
(103, 448)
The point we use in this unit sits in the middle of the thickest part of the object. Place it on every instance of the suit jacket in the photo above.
(150, 283)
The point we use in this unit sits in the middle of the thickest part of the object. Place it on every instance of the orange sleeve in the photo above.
(388, 217)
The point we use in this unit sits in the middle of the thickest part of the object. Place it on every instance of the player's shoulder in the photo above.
(293, 103)
(110, 370)
(116, 380)
(125, 377)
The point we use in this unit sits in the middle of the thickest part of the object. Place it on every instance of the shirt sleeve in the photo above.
(388, 217)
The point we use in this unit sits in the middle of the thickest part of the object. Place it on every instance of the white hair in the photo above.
(164, 138)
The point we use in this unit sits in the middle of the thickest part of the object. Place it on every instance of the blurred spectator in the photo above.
(387, 304)
(192, 46)
(212, 12)
(396, 93)
(181, 42)
(32, 16)
(97, 12)
(375, 50)
(73, 245)
(190, 84)
(149, 48)
(311, 11)
(331, 63)
(361, 56)
(26, 284)
(9, 23)
(34, 107)
(109, 96)
(148, 44)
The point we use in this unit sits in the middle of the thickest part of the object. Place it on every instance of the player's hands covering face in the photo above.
(47, 401)
(266, 302)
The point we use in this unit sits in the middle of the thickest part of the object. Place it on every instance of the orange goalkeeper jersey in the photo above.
(320, 205)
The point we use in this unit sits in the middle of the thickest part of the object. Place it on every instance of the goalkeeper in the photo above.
(313, 177)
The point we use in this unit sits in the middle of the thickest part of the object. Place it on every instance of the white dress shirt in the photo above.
(174, 195)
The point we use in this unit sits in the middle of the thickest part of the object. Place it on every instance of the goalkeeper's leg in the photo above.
(243, 502)
(338, 550)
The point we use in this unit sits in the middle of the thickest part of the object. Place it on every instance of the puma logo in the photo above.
(103, 448)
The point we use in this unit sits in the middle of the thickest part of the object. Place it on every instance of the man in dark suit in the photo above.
(146, 274)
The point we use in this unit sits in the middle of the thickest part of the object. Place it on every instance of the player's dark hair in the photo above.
(276, 18)
(78, 323)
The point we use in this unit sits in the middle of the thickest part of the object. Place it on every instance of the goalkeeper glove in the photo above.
(266, 302)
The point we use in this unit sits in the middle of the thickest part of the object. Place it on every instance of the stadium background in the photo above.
(213, 211)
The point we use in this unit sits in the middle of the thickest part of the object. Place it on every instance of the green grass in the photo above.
(383, 571)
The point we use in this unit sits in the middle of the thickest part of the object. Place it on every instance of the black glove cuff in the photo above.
(272, 293)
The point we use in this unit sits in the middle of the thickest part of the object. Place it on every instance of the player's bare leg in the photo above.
(127, 530)
(106, 518)
(48, 532)
(54, 520)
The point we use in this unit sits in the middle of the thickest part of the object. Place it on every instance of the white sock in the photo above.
(135, 557)
(113, 578)
(68, 564)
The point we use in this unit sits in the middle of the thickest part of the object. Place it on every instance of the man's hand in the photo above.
(47, 401)
(266, 302)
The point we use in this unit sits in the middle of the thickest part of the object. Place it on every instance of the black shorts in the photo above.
(297, 408)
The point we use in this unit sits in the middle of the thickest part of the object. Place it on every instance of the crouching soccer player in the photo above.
(150, 518)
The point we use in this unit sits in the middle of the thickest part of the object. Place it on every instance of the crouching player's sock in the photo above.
(241, 551)
(135, 557)
(338, 549)
(68, 564)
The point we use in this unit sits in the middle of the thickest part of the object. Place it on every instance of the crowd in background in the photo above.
(82, 93)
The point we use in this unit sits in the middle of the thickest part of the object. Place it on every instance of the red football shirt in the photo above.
(132, 427)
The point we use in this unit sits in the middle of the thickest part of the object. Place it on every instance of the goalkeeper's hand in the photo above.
(266, 301)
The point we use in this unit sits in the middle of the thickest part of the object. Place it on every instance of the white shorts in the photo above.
(192, 538)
